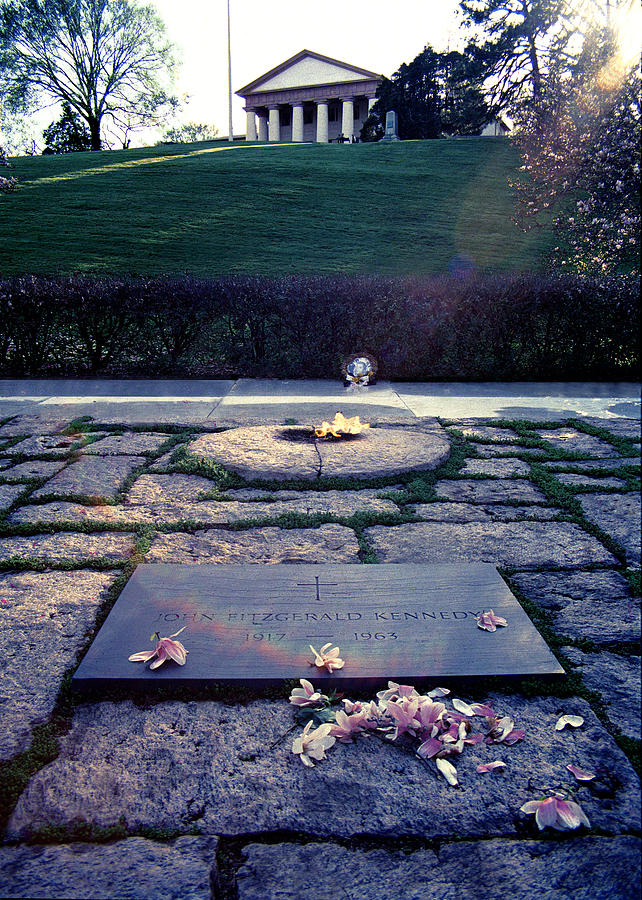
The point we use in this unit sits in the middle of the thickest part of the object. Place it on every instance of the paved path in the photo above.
(198, 797)
(251, 401)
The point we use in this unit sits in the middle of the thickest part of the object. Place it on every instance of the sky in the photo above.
(374, 34)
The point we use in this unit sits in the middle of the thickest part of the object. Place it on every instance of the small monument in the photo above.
(254, 624)
(390, 133)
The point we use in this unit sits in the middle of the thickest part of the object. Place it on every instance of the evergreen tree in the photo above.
(435, 94)
(67, 135)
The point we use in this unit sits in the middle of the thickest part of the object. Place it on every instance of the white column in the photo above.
(263, 127)
(322, 121)
(347, 119)
(274, 126)
(297, 122)
(250, 127)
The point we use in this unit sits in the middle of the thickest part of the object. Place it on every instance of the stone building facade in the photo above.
(309, 97)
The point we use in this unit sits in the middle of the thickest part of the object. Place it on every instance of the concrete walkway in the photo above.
(254, 401)
(201, 796)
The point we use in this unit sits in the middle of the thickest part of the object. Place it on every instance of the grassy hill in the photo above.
(267, 208)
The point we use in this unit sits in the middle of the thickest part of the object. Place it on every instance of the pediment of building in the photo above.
(306, 69)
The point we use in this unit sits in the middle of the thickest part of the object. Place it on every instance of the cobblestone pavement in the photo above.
(197, 797)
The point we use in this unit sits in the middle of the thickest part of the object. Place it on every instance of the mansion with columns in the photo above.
(309, 97)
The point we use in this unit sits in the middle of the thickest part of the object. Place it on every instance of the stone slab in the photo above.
(208, 512)
(472, 512)
(267, 453)
(578, 868)
(487, 433)
(628, 428)
(214, 766)
(597, 606)
(9, 493)
(327, 544)
(51, 444)
(34, 423)
(137, 411)
(130, 443)
(571, 466)
(500, 490)
(69, 545)
(36, 468)
(492, 451)
(619, 516)
(522, 545)
(573, 441)
(574, 480)
(176, 488)
(617, 679)
(254, 624)
(46, 618)
(499, 468)
(93, 476)
(132, 869)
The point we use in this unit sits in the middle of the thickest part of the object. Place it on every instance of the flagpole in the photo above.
(229, 70)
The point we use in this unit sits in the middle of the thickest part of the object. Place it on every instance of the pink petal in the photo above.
(546, 813)
(517, 734)
(481, 709)
(162, 656)
(489, 767)
(175, 651)
(581, 774)
(570, 815)
(429, 748)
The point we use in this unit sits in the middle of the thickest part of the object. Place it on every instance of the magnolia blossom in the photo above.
(306, 695)
(166, 648)
(327, 659)
(346, 726)
(489, 621)
(404, 713)
(556, 812)
(312, 745)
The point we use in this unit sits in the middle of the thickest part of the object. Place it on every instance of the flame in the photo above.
(340, 425)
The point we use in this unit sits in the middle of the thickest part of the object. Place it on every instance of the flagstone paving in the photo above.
(239, 816)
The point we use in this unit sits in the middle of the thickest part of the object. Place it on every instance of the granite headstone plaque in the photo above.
(390, 134)
(254, 624)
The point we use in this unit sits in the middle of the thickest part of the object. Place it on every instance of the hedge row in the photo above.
(486, 327)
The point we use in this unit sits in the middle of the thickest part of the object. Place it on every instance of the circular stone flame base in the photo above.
(267, 452)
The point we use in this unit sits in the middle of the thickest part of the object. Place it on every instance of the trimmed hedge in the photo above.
(485, 327)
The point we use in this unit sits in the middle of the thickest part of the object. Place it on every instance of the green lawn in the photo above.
(267, 208)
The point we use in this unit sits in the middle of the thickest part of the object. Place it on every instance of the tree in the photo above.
(7, 184)
(517, 42)
(581, 161)
(435, 94)
(106, 58)
(189, 133)
(67, 135)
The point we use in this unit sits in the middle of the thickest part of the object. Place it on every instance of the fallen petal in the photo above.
(581, 774)
(563, 721)
(491, 766)
(571, 815)
(546, 813)
(463, 707)
(448, 771)
(143, 656)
